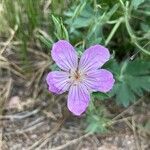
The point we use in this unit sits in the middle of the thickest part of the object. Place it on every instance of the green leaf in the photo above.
(100, 96)
(132, 80)
(113, 66)
(135, 3)
(78, 9)
(135, 87)
(139, 84)
(145, 27)
(124, 95)
(82, 18)
(138, 67)
(96, 118)
(61, 31)
(46, 42)
(54, 67)
(96, 124)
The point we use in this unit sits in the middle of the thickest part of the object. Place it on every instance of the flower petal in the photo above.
(64, 55)
(94, 57)
(58, 81)
(78, 99)
(99, 80)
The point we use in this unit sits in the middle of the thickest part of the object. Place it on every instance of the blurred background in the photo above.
(31, 118)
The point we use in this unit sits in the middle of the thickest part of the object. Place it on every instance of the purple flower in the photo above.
(79, 77)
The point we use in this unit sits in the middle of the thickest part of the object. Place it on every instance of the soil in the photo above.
(36, 128)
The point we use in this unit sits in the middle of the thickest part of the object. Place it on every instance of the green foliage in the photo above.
(100, 96)
(96, 118)
(27, 16)
(79, 19)
(132, 79)
(44, 38)
(96, 123)
(136, 3)
(84, 16)
(61, 31)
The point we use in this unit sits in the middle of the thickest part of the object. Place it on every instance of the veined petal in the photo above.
(64, 55)
(94, 57)
(99, 80)
(78, 99)
(58, 82)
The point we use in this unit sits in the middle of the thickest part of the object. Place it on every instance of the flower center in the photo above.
(77, 77)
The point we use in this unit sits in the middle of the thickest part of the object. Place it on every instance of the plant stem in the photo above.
(120, 20)
(130, 32)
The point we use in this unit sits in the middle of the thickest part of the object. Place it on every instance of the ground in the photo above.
(29, 124)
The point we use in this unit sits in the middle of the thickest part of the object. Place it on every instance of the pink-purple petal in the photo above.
(99, 80)
(64, 55)
(78, 99)
(58, 82)
(94, 57)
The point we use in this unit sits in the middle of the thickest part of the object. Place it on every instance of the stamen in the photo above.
(77, 76)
